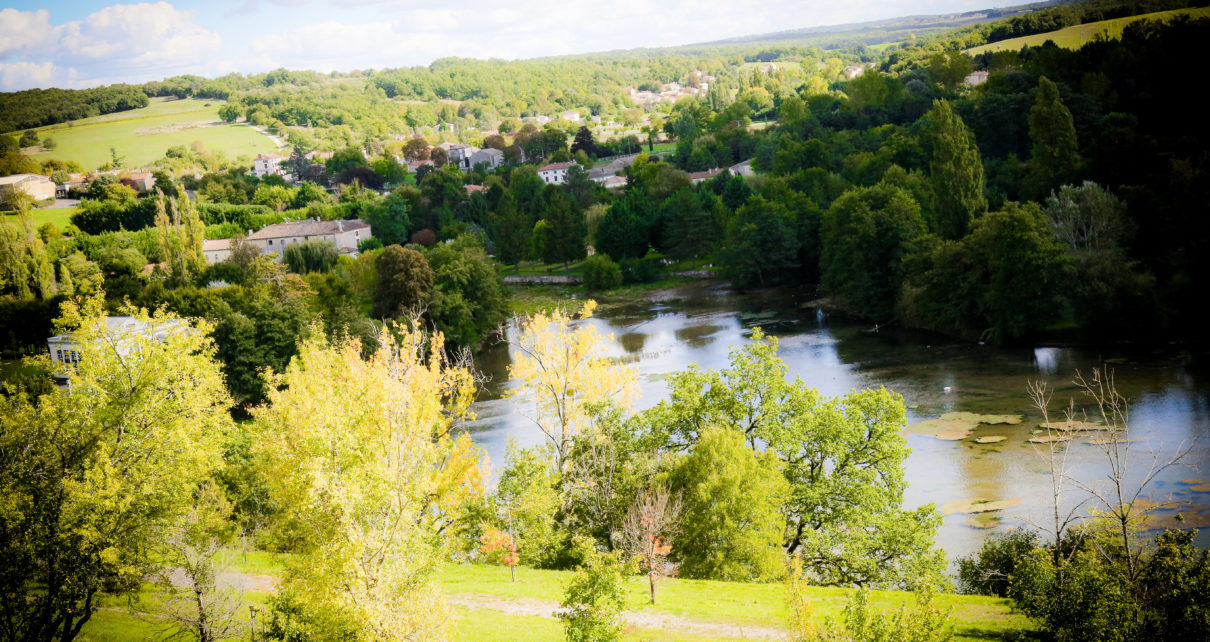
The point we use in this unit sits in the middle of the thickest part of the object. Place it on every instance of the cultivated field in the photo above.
(1074, 37)
(143, 135)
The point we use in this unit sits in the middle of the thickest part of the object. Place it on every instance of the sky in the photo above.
(85, 43)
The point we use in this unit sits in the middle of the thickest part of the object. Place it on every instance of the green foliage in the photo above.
(999, 283)
(761, 246)
(601, 273)
(468, 301)
(594, 599)
(405, 280)
(841, 457)
(732, 524)
(924, 622)
(527, 496)
(623, 233)
(990, 571)
(956, 172)
(312, 256)
(1055, 158)
(865, 236)
(94, 476)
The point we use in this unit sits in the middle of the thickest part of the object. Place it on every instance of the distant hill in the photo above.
(882, 31)
(1075, 36)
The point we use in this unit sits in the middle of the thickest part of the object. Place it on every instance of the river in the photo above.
(672, 328)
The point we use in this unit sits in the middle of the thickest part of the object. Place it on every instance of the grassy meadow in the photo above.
(484, 598)
(143, 135)
(1075, 36)
(60, 216)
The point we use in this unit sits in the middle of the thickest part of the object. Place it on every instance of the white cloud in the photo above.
(23, 30)
(24, 75)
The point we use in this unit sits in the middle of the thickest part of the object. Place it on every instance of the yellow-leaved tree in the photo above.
(92, 475)
(359, 454)
(562, 368)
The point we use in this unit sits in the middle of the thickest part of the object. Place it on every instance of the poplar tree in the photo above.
(1055, 150)
(956, 171)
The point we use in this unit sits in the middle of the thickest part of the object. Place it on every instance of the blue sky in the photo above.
(84, 43)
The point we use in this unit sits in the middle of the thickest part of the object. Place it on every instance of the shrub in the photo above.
(990, 570)
(595, 597)
(601, 273)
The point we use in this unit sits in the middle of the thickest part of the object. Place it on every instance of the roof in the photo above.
(265, 156)
(21, 178)
(710, 173)
(215, 245)
(490, 150)
(557, 166)
(310, 227)
(471, 189)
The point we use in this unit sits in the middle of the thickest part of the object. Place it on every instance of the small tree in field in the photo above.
(647, 531)
(595, 597)
(499, 548)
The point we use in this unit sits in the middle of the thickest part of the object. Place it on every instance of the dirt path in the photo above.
(639, 619)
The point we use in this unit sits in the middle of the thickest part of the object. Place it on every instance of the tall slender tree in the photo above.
(1056, 157)
(956, 171)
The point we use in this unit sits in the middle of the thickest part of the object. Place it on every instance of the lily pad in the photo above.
(953, 426)
(1047, 439)
(1073, 426)
(977, 505)
(983, 521)
(990, 439)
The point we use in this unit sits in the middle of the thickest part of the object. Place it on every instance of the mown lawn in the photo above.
(975, 617)
(143, 135)
(60, 216)
(1076, 36)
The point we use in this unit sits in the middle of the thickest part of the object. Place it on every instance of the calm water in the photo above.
(699, 324)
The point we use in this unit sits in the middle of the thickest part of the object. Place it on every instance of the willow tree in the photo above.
(359, 455)
(956, 172)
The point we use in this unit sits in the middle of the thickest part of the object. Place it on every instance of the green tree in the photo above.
(29, 138)
(512, 231)
(595, 597)
(950, 68)
(865, 236)
(623, 232)
(601, 273)
(1055, 158)
(956, 172)
(93, 476)
(583, 141)
(405, 280)
(527, 497)
(732, 525)
(369, 483)
(842, 459)
(761, 246)
(312, 256)
(230, 112)
(345, 159)
(468, 301)
(565, 232)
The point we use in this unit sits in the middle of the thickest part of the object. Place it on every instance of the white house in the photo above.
(555, 173)
(36, 186)
(976, 78)
(120, 331)
(216, 250)
(460, 155)
(274, 239)
(266, 164)
(489, 157)
(701, 177)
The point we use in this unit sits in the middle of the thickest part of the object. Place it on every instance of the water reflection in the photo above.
(699, 325)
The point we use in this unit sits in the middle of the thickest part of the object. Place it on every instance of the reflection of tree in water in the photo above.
(491, 363)
(633, 342)
(698, 336)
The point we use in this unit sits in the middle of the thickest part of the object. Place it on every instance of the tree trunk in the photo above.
(651, 581)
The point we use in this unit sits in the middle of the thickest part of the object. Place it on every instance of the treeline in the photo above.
(39, 107)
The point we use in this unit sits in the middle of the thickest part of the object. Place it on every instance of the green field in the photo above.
(724, 605)
(60, 216)
(143, 135)
(1075, 36)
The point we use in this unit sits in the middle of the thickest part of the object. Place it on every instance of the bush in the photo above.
(595, 597)
(601, 273)
(989, 571)
(312, 256)
(644, 270)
